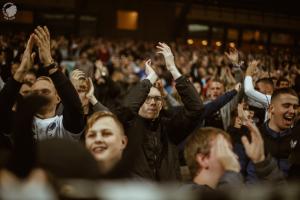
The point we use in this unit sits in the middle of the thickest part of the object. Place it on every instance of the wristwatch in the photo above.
(51, 66)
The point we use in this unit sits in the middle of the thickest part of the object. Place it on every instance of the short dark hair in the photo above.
(265, 81)
(281, 91)
(282, 79)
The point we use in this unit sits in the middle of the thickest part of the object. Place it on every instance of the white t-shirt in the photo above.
(52, 128)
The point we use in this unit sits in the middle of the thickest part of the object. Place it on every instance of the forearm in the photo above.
(152, 77)
(99, 107)
(73, 118)
(217, 104)
(137, 95)
(175, 73)
(189, 96)
(252, 93)
(8, 94)
(268, 170)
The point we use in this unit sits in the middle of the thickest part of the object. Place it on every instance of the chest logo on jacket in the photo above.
(293, 143)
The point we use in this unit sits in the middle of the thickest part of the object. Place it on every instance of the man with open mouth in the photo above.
(279, 130)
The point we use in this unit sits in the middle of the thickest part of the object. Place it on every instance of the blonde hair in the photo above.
(101, 114)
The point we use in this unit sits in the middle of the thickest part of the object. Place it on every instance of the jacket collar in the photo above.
(275, 134)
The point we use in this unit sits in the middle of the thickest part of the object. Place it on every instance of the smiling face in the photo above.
(152, 105)
(284, 111)
(106, 140)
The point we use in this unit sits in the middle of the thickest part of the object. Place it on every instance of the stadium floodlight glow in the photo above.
(204, 42)
(218, 43)
(190, 41)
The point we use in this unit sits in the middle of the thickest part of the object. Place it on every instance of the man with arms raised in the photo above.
(56, 88)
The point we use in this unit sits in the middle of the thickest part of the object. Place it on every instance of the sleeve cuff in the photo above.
(152, 78)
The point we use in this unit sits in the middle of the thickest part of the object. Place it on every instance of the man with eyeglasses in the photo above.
(154, 132)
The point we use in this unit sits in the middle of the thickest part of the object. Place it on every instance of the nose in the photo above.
(99, 138)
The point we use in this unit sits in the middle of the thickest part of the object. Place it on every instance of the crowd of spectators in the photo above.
(117, 109)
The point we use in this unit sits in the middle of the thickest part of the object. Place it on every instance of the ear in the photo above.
(202, 160)
(57, 99)
(124, 142)
(271, 108)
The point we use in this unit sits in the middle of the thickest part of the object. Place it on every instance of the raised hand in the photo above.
(238, 87)
(233, 56)
(225, 155)
(27, 60)
(165, 50)
(90, 93)
(148, 68)
(42, 38)
(151, 74)
(254, 149)
(76, 75)
(252, 68)
(241, 113)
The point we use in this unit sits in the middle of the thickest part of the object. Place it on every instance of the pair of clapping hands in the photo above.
(165, 50)
(40, 38)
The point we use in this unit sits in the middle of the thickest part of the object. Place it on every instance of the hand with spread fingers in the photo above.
(233, 56)
(165, 50)
(42, 38)
(252, 68)
(254, 149)
(27, 60)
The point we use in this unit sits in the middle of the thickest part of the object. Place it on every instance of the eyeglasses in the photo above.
(157, 99)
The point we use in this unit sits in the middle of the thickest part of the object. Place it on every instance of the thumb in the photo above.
(33, 56)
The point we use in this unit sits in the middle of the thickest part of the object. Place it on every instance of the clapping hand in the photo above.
(27, 60)
(252, 68)
(151, 74)
(165, 50)
(233, 56)
(254, 149)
